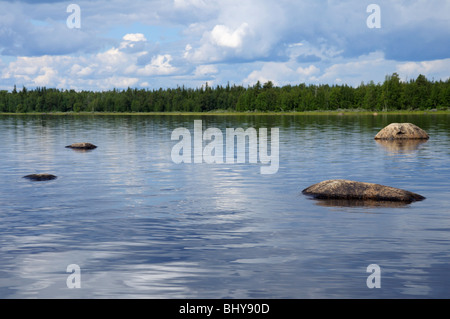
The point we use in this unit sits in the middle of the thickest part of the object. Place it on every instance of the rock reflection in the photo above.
(401, 146)
(81, 150)
(358, 203)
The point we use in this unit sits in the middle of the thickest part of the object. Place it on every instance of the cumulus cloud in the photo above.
(48, 76)
(78, 70)
(159, 65)
(134, 37)
(133, 42)
(280, 73)
(221, 35)
(366, 68)
(205, 70)
(312, 69)
(439, 68)
(356, 70)
(34, 71)
(113, 68)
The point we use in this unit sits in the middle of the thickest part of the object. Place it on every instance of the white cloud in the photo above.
(86, 71)
(308, 71)
(47, 78)
(118, 82)
(112, 60)
(116, 67)
(278, 72)
(242, 30)
(204, 70)
(223, 36)
(34, 71)
(353, 71)
(159, 65)
(440, 68)
(20, 68)
(134, 37)
(133, 42)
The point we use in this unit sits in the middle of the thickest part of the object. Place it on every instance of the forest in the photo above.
(393, 94)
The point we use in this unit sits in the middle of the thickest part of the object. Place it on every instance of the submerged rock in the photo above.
(82, 146)
(401, 131)
(351, 190)
(40, 177)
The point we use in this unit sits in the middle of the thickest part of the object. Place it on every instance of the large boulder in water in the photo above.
(351, 190)
(40, 177)
(82, 146)
(396, 131)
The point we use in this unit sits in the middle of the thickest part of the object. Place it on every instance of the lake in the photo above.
(139, 225)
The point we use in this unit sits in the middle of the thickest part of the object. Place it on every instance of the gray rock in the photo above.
(82, 146)
(351, 190)
(40, 177)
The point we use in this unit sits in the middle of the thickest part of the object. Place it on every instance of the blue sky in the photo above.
(154, 44)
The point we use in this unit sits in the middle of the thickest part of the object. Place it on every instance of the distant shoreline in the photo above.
(226, 113)
(392, 95)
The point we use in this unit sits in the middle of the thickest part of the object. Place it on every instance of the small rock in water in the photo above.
(40, 177)
(82, 146)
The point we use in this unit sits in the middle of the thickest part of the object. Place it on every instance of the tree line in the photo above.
(392, 94)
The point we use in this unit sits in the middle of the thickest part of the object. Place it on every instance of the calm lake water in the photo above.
(140, 226)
